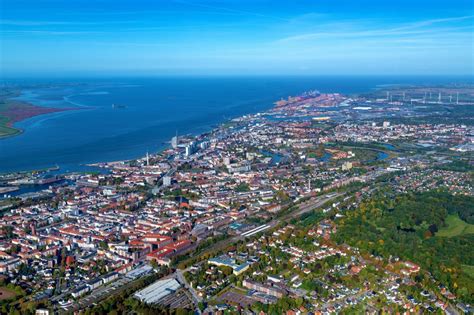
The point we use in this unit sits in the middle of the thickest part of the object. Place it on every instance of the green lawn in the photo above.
(455, 227)
(468, 270)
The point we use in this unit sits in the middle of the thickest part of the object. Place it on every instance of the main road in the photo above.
(180, 277)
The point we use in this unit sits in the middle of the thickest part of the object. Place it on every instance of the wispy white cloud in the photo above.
(229, 10)
(26, 23)
(31, 23)
(48, 32)
(436, 21)
(355, 30)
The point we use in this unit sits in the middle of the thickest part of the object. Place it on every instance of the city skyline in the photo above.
(236, 38)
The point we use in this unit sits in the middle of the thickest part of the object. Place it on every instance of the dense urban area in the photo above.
(324, 204)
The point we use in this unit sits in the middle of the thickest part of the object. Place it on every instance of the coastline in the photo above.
(198, 127)
(156, 110)
(13, 111)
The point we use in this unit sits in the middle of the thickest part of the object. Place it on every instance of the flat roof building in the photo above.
(158, 290)
(229, 262)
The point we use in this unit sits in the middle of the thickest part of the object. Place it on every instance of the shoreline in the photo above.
(127, 155)
(13, 111)
(166, 145)
(96, 164)
(19, 131)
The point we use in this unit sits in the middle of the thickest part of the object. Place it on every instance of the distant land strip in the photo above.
(13, 111)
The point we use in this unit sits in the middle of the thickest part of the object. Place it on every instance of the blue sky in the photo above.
(154, 37)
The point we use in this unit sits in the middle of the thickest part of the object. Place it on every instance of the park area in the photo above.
(6, 294)
(455, 226)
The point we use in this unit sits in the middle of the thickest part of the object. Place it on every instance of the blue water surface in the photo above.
(148, 112)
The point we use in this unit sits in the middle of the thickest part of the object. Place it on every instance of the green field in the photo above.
(468, 270)
(6, 294)
(455, 227)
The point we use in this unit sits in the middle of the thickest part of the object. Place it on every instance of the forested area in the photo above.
(406, 226)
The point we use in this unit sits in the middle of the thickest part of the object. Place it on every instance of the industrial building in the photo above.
(158, 290)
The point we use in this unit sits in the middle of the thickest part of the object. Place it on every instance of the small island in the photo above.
(12, 111)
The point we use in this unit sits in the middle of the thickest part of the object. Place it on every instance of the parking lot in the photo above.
(99, 294)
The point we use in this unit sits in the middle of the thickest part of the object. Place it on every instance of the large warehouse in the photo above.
(158, 290)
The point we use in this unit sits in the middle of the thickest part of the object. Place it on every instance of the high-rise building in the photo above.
(190, 149)
(204, 145)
